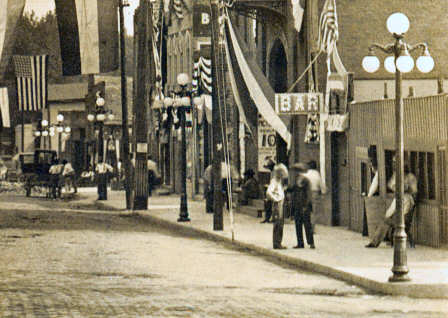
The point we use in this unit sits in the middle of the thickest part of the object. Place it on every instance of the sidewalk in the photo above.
(339, 253)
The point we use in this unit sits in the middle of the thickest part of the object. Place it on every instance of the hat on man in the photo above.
(300, 167)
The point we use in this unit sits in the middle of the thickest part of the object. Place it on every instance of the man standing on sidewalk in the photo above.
(316, 190)
(276, 194)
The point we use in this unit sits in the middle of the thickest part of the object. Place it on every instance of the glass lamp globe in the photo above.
(405, 63)
(90, 117)
(197, 100)
(110, 116)
(100, 101)
(45, 133)
(51, 133)
(51, 129)
(168, 101)
(389, 64)
(67, 129)
(100, 117)
(60, 129)
(60, 118)
(37, 133)
(44, 123)
(185, 101)
(425, 63)
(370, 63)
(183, 79)
(397, 23)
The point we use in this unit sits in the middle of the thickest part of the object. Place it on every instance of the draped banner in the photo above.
(257, 85)
(88, 31)
(4, 107)
(10, 12)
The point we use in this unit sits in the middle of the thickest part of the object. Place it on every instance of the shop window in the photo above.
(389, 166)
(422, 165)
(372, 153)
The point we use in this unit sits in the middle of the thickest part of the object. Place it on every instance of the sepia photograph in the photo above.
(224, 158)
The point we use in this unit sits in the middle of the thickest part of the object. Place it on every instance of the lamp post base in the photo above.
(400, 269)
(183, 215)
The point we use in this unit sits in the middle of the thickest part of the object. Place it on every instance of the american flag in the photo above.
(328, 27)
(31, 74)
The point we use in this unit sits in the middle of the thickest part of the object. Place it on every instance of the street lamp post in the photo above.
(98, 118)
(399, 62)
(61, 130)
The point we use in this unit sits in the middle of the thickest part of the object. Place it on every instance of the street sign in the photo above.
(298, 103)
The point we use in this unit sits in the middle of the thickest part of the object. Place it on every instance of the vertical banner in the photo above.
(267, 149)
(4, 107)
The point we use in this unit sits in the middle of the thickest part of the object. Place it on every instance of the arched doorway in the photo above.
(278, 78)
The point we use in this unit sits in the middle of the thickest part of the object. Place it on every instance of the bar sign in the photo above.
(298, 103)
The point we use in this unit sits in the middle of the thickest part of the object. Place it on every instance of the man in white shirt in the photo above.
(316, 190)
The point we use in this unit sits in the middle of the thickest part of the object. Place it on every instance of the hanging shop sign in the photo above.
(267, 149)
(337, 123)
(201, 20)
(298, 103)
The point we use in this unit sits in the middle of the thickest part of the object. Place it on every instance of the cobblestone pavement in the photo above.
(60, 264)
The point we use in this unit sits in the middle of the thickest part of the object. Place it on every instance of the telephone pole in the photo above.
(124, 109)
(145, 80)
(217, 102)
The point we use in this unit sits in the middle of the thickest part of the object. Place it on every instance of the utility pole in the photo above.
(217, 147)
(145, 80)
(124, 109)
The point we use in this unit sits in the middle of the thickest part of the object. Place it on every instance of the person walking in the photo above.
(301, 205)
(276, 194)
(153, 175)
(409, 197)
(68, 173)
(102, 171)
(208, 189)
(55, 182)
(317, 189)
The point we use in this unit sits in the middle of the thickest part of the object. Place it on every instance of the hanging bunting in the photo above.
(178, 9)
(297, 12)
(312, 129)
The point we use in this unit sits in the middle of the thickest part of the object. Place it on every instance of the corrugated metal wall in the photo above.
(373, 123)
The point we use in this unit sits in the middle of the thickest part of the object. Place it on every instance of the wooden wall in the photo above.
(373, 123)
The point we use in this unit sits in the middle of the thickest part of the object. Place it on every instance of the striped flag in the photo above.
(10, 12)
(88, 31)
(31, 74)
(328, 27)
(202, 75)
(4, 107)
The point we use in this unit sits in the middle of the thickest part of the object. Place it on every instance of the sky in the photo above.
(41, 7)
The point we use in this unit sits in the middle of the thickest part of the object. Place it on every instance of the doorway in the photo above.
(278, 77)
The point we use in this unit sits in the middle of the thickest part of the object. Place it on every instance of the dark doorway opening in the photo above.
(278, 77)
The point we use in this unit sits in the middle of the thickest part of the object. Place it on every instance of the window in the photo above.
(422, 165)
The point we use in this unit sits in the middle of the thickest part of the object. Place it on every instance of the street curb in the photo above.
(437, 291)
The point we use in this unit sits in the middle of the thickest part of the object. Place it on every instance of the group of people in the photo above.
(409, 198)
(61, 173)
(302, 194)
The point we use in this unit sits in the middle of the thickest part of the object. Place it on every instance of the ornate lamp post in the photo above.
(44, 131)
(61, 130)
(99, 116)
(399, 62)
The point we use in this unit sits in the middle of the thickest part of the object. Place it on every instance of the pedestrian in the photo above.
(55, 179)
(409, 197)
(276, 194)
(301, 205)
(68, 173)
(317, 189)
(153, 175)
(208, 189)
(250, 187)
(268, 203)
(103, 170)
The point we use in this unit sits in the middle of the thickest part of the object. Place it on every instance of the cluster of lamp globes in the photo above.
(398, 23)
(51, 131)
(100, 102)
(183, 80)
